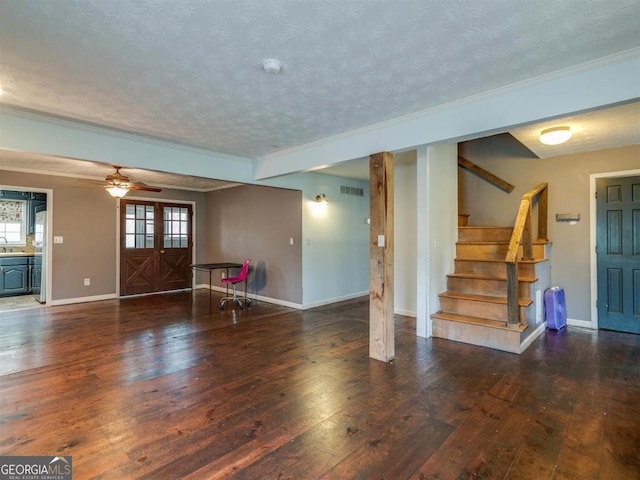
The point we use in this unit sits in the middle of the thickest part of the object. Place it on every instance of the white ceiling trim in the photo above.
(607, 81)
(27, 132)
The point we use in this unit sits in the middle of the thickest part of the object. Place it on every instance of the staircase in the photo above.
(474, 307)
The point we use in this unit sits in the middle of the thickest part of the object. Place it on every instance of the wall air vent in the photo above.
(346, 190)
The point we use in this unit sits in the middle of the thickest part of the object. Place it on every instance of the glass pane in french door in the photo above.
(139, 226)
(176, 227)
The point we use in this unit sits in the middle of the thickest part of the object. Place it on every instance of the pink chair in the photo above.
(241, 277)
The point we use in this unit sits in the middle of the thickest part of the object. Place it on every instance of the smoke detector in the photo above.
(272, 65)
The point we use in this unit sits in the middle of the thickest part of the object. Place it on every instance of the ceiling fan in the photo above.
(118, 185)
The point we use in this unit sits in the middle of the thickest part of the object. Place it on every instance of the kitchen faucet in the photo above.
(4, 249)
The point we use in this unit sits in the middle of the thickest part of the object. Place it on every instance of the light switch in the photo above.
(381, 240)
(58, 239)
(290, 240)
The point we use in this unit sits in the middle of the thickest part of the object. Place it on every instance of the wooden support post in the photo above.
(381, 323)
(513, 304)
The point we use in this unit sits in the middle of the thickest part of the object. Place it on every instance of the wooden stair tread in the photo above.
(479, 276)
(480, 227)
(497, 242)
(483, 298)
(485, 322)
(497, 260)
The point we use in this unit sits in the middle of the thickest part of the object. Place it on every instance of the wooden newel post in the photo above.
(381, 323)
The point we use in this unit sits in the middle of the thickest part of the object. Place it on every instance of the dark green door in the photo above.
(618, 257)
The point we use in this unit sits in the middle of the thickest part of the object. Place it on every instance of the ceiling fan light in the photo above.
(555, 135)
(117, 191)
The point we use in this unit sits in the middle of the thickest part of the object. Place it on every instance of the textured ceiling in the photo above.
(606, 128)
(190, 71)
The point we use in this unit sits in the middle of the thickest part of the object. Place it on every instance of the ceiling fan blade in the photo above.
(117, 179)
(96, 183)
(142, 186)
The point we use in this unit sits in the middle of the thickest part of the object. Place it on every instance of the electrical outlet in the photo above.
(223, 275)
(87, 282)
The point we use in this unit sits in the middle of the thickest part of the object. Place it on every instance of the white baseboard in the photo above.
(261, 298)
(580, 323)
(319, 303)
(275, 301)
(329, 301)
(536, 333)
(93, 298)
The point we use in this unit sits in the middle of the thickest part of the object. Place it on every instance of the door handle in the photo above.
(161, 251)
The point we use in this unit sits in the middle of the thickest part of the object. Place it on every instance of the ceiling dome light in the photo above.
(271, 65)
(555, 135)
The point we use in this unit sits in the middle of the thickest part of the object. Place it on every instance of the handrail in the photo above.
(522, 235)
(482, 173)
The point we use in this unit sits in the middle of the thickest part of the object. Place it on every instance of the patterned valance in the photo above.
(11, 211)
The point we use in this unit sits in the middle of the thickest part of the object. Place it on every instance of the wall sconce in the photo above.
(322, 198)
(117, 191)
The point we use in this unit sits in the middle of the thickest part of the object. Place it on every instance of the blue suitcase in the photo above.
(555, 308)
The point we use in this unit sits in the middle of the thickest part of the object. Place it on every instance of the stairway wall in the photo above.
(534, 313)
(568, 179)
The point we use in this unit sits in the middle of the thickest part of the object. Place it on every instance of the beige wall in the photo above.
(568, 178)
(258, 222)
(86, 219)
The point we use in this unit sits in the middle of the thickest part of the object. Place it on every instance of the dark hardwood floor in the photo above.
(166, 387)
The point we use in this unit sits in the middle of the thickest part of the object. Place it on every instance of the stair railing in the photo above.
(522, 235)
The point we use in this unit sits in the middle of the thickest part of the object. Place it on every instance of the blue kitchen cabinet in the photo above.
(36, 274)
(14, 275)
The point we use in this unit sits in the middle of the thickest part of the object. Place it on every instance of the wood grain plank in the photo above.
(168, 387)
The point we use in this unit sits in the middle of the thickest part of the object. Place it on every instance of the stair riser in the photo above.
(492, 311)
(492, 268)
(495, 288)
(507, 341)
(484, 234)
(492, 251)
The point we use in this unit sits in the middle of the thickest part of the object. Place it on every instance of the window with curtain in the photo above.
(13, 222)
